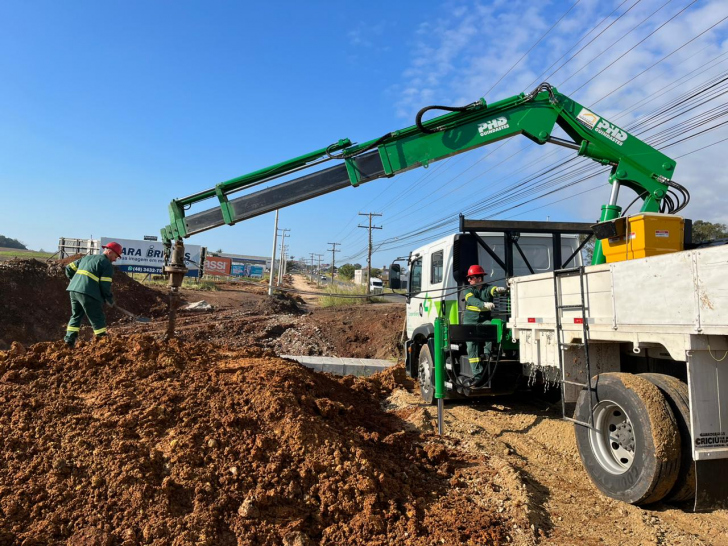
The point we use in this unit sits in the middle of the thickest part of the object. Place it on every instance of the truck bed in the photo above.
(673, 306)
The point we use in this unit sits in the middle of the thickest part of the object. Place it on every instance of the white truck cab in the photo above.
(437, 269)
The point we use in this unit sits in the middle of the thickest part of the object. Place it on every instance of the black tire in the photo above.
(677, 395)
(633, 452)
(426, 374)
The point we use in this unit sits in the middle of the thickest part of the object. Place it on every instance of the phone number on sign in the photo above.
(141, 269)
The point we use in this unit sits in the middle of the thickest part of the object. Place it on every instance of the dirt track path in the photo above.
(536, 453)
(300, 282)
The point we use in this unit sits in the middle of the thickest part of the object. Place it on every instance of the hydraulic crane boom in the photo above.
(634, 164)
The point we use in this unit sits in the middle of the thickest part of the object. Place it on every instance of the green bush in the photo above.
(355, 290)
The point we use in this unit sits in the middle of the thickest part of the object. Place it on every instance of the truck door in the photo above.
(416, 302)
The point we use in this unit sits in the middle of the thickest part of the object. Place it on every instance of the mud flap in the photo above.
(711, 485)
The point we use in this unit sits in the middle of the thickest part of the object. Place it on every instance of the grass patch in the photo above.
(24, 254)
(333, 300)
(187, 283)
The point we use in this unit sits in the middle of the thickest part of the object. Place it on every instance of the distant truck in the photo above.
(376, 286)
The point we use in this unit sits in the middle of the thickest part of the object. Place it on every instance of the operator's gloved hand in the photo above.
(110, 303)
(500, 290)
(488, 306)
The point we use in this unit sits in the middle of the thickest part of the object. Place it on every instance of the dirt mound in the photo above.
(131, 440)
(363, 331)
(278, 304)
(34, 304)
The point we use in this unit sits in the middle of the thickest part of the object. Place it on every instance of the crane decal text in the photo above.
(612, 132)
(492, 126)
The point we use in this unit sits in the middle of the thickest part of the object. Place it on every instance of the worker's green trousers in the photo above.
(83, 305)
(474, 351)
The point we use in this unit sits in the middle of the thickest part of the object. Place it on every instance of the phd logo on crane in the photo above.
(493, 126)
(612, 132)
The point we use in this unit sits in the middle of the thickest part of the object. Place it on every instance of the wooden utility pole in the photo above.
(369, 254)
(333, 258)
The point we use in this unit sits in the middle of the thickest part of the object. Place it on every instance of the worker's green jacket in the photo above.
(475, 297)
(91, 275)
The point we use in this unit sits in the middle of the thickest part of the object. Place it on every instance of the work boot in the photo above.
(478, 381)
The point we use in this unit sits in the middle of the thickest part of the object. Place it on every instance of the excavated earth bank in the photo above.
(133, 440)
(34, 304)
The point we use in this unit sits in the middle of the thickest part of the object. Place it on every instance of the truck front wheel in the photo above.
(426, 375)
(632, 453)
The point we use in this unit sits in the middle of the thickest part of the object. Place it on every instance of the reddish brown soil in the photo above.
(135, 441)
(34, 304)
(215, 440)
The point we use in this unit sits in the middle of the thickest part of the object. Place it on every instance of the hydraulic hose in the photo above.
(421, 127)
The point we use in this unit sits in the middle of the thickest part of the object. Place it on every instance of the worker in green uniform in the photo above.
(89, 288)
(478, 305)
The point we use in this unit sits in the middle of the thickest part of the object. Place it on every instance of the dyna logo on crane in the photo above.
(492, 126)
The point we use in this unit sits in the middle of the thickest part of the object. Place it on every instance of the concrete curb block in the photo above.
(361, 367)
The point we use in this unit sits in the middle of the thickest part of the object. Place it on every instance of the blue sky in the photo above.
(110, 110)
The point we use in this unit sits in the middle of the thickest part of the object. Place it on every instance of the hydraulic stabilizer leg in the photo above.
(175, 271)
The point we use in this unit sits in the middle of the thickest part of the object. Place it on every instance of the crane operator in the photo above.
(478, 306)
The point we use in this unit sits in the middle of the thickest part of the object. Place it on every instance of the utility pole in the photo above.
(318, 273)
(369, 254)
(280, 262)
(333, 258)
(273, 256)
(312, 255)
(279, 278)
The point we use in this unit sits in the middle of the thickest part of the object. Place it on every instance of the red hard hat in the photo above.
(476, 270)
(116, 247)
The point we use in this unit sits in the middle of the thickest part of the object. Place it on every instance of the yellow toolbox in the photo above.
(645, 234)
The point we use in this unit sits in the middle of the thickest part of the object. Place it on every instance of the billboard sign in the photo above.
(148, 256)
(215, 265)
(246, 270)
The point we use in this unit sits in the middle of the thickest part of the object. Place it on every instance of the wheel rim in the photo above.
(613, 440)
(425, 376)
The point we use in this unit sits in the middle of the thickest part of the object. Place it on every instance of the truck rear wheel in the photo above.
(633, 452)
(426, 374)
(676, 394)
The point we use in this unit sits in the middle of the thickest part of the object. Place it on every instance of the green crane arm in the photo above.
(634, 164)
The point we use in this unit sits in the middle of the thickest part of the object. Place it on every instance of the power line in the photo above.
(603, 51)
(633, 47)
(592, 40)
(531, 49)
(658, 62)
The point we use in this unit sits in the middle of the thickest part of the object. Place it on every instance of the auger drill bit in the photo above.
(175, 271)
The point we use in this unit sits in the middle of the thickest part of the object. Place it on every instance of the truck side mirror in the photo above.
(394, 276)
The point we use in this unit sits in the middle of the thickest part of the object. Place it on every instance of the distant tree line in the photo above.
(7, 242)
(346, 271)
(708, 231)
